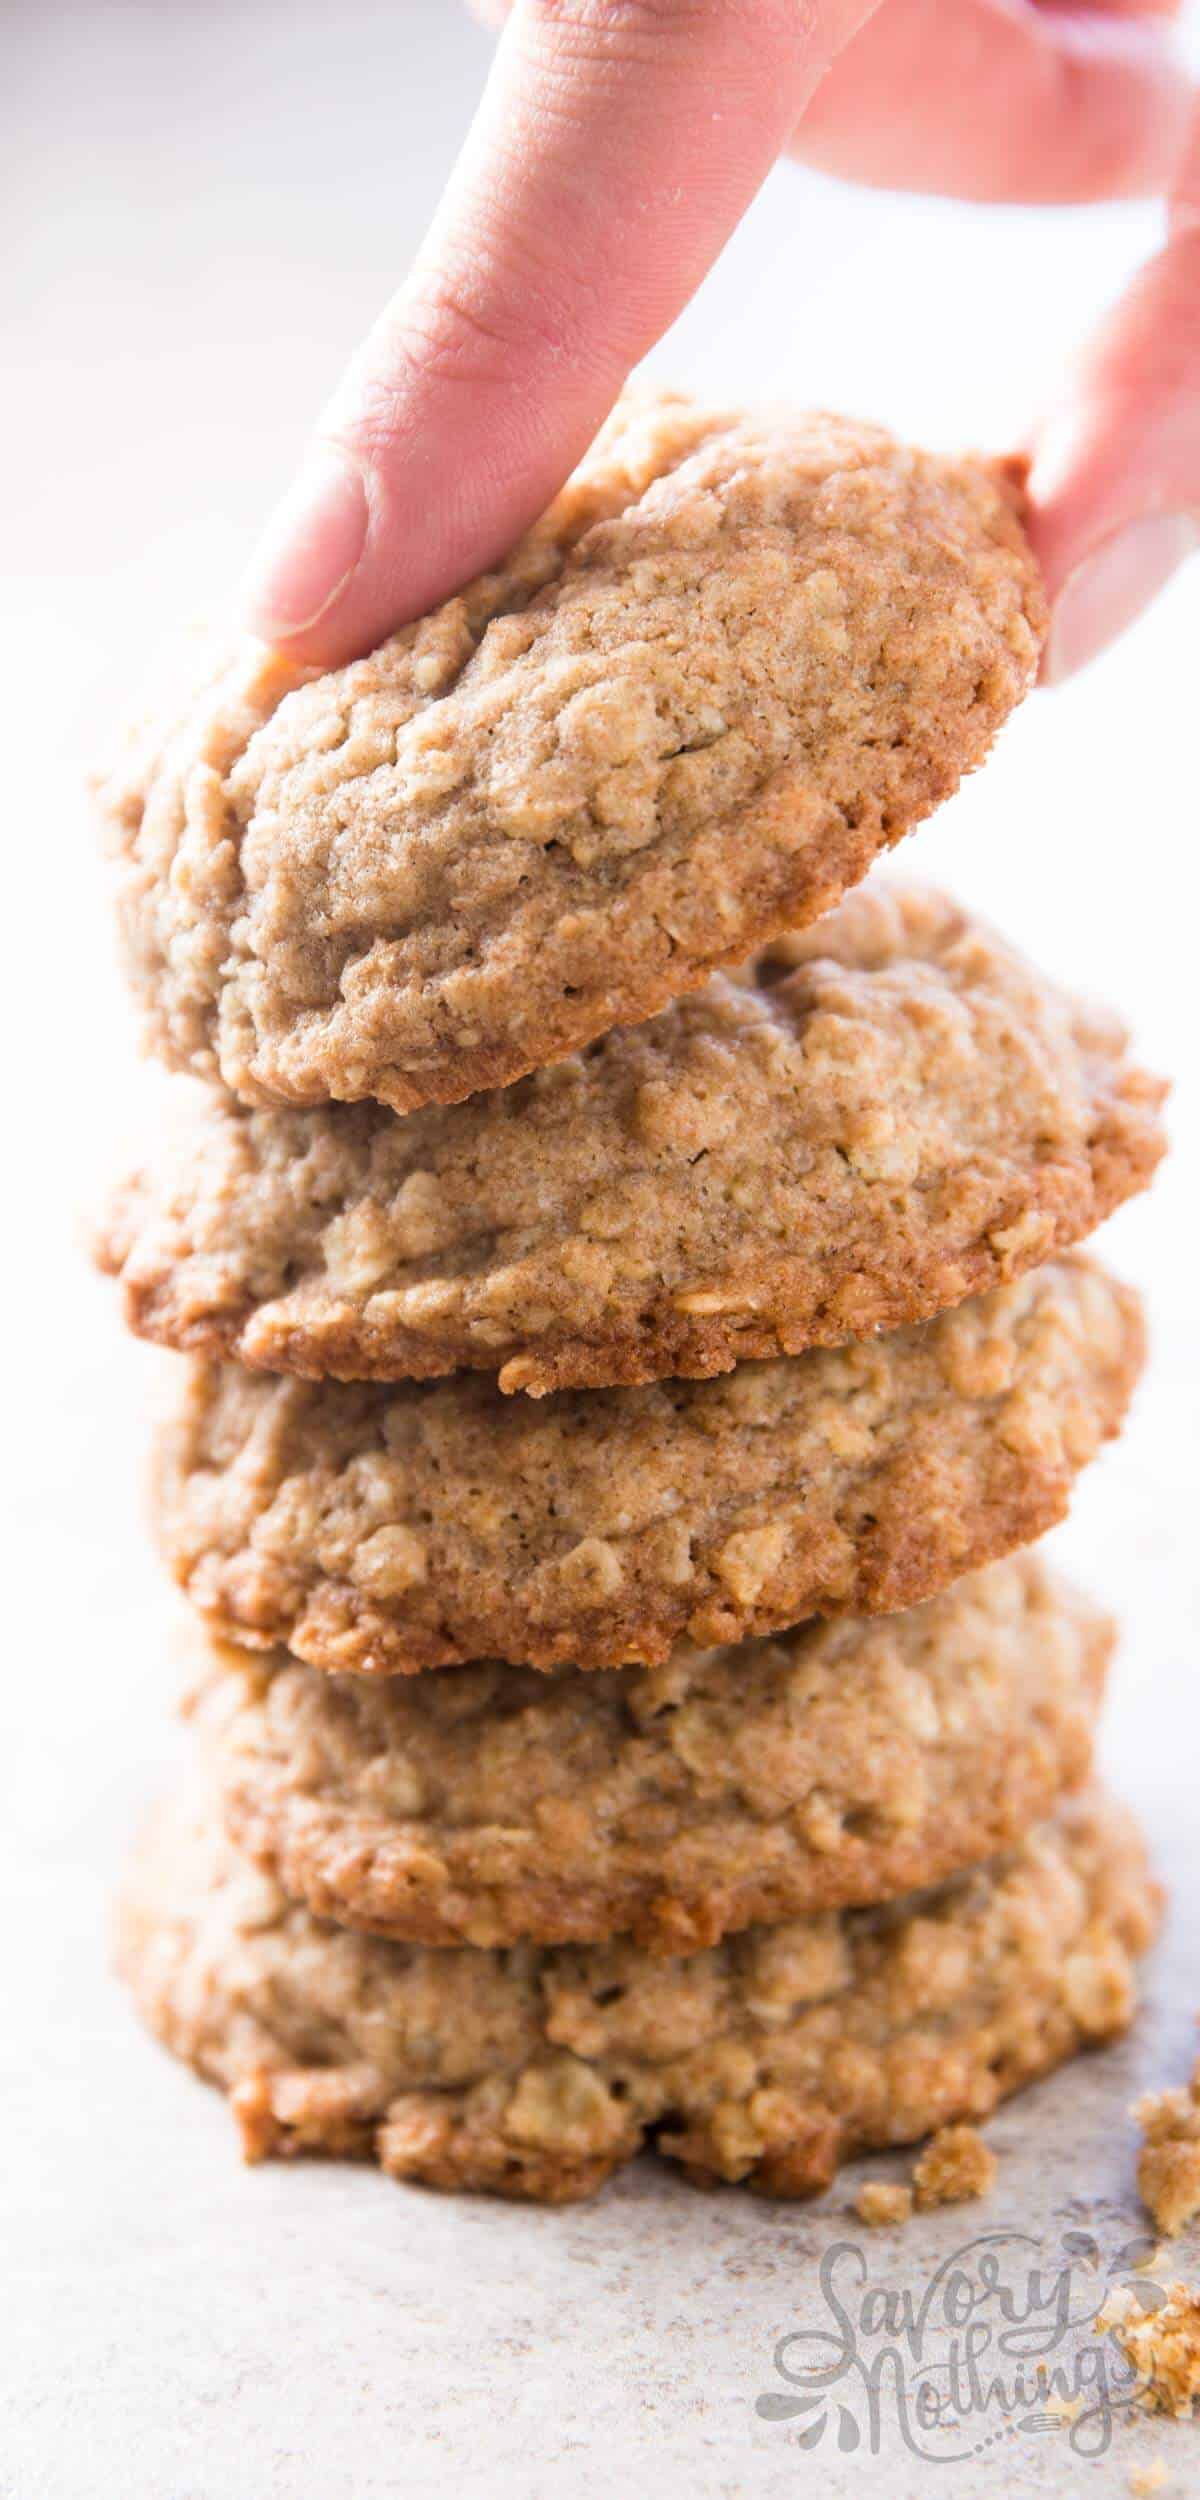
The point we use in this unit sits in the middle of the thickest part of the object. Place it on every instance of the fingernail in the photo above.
(311, 546)
(1111, 587)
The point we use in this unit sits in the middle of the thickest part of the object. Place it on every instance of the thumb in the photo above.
(616, 147)
(1116, 477)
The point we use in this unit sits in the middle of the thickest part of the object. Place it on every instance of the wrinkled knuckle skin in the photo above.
(647, 24)
(457, 340)
(452, 341)
(618, 17)
(445, 343)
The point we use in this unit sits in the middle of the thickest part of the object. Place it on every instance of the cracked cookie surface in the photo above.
(841, 1763)
(737, 659)
(382, 1530)
(875, 1119)
(537, 2071)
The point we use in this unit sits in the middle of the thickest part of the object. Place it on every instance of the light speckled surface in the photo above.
(175, 2328)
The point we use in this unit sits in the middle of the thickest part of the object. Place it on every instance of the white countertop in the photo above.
(209, 203)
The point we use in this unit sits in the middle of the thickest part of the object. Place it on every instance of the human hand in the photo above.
(617, 146)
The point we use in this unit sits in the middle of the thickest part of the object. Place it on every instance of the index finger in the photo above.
(617, 145)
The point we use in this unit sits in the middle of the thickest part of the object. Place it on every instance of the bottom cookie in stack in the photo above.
(537, 2071)
(801, 1779)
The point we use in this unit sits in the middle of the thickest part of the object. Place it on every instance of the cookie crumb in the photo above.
(880, 2201)
(1163, 2345)
(1168, 2171)
(955, 2166)
(1145, 2479)
(1065, 2409)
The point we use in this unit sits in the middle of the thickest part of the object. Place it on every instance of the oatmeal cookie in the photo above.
(536, 2071)
(871, 1121)
(841, 1763)
(737, 659)
(383, 1530)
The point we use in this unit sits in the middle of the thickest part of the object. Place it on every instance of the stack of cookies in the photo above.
(620, 1391)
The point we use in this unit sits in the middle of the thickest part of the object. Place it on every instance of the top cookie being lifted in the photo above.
(736, 659)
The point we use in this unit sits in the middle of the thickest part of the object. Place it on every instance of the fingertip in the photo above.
(310, 549)
(1115, 482)
(1111, 587)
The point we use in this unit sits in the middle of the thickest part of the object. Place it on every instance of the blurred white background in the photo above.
(206, 205)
